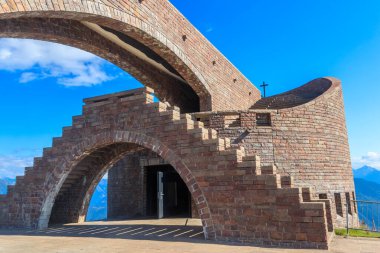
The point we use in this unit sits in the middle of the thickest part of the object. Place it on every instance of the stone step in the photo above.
(28, 169)
(71, 180)
(10, 189)
(37, 161)
(77, 120)
(19, 181)
(307, 197)
(253, 165)
(66, 130)
(173, 115)
(56, 141)
(186, 116)
(251, 158)
(269, 170)
(187, 123)
(248, 164)
(233, 154)
(268, 181)
(19, 178)
(306, 194)
(198, 124)
(201, 133)
(286, 182)
(215, 144)
(46, 151)
(158, 106)
(174, 108)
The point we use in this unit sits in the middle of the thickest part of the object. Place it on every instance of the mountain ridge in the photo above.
(367, 173)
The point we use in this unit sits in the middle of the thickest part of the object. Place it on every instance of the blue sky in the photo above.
(285, 43)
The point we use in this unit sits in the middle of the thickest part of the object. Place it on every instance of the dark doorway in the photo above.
(166, 193)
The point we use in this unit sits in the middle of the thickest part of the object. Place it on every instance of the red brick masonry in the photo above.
(273, 171)
(236, 198)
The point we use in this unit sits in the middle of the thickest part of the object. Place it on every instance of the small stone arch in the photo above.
(69, 162)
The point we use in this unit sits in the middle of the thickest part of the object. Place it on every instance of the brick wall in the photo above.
(125, 188)
(307, 141)
(127, 185)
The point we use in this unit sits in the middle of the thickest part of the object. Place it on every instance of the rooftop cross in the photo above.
(264, 85)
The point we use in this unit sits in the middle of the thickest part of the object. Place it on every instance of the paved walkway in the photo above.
(151, 236)
(160, 230)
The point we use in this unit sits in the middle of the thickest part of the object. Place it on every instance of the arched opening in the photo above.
(152, 66)
(71, 203)
(97, 210)
(69, 200)
(133, 189)
(140, 185)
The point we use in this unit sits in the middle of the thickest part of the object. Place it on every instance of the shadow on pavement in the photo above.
(136, 232)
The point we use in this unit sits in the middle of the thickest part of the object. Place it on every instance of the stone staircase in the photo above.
(229, 160)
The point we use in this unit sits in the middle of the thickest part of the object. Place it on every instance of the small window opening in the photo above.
(263, 119)
(348, 201)
(338, 204)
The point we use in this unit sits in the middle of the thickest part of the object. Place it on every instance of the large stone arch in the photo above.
(69, 162)
(191, 63)
(74, 34)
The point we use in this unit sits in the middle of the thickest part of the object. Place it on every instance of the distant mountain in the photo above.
(98, 204)
(367, 190)
(368, 212)
(4, 182)
(368, 173)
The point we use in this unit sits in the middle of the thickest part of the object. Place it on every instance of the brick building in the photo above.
(273, 171)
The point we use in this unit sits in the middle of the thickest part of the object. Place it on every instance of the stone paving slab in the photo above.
(47, 244)
(164, 229)
(166, 235)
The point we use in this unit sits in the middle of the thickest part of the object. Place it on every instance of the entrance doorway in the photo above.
(166, 193)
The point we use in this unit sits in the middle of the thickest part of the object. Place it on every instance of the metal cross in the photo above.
(264, 85)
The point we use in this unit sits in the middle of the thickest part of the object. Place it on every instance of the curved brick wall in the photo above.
(296, 97)
(162, 29)
(311, 143)
(307, 141)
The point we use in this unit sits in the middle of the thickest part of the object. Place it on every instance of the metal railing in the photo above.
(368, 214)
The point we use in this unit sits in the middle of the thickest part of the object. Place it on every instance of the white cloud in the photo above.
(371, 159)
(27, 77)
(12, 166)
(5, 54)
(40, 60)
(13, 163)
